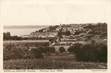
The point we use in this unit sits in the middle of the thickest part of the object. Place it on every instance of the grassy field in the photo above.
(51, 63)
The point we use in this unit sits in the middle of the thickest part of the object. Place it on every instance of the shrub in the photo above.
(74, 48)
(102, 53)
(61, 49)
(86, 53)
(51, 49)
(47, 49)
(36, 53)
(12, 52)
(90, 52)
(43, 49)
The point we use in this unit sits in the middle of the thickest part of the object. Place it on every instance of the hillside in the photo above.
(77, 31)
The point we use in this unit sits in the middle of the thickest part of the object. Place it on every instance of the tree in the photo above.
(6, 36)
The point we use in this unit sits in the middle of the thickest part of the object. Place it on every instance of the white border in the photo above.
(69, 70)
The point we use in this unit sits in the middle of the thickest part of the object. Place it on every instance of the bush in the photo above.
(47, 49)
(51, 49)
(102, 53)
(43, 49)
(61, 49)
(90, 52)
(74, 48)
(86, 53)
(36, 53)
(12, 52)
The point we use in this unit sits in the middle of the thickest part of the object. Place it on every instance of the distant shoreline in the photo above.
(26, 26)
(22, 30)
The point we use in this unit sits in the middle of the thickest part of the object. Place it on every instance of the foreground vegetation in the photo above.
(88, 56)
(48, 63)
(94, 52)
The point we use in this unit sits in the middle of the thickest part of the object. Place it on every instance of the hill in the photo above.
(77, 31)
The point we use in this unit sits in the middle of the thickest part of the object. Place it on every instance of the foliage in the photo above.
(12, 52)
(48, 63)
(8, 36)
(61, 49)
(24, 50)
(47, 49)
(90, 52)
(37, 53)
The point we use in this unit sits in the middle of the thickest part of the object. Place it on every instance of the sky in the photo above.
(51, 12)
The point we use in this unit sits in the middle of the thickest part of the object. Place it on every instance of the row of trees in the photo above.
(8, 36)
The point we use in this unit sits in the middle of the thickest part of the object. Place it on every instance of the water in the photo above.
(20, 31)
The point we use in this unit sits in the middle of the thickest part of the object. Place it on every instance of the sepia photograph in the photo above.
(50, 34)
(64, 46)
